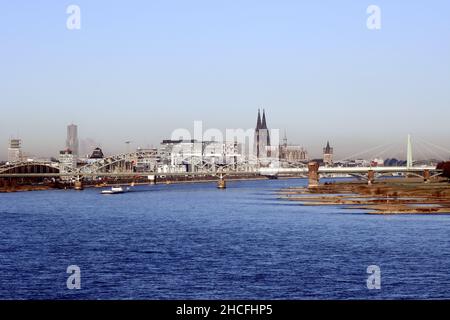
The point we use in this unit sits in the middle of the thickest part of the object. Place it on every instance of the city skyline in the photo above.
(217, 158)
(139, 72)
(393, 150)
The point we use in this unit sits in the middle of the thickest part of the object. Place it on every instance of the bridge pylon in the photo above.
(426, 175)
(370, 177)
(313, 175)
(221, 184)
(409, 155)
(78, 185)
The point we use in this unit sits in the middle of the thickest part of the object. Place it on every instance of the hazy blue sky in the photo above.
(139, 69)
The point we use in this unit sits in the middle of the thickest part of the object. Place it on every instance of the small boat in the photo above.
(115, 190)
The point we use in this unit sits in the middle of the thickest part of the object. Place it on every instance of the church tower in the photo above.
(328, 155)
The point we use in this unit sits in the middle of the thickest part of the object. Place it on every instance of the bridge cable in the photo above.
(432, 152)
(447, 151)
(353, 156)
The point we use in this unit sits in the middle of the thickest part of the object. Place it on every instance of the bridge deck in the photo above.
(260, 171)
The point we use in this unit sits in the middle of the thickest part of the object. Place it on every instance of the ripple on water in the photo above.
(194, 241)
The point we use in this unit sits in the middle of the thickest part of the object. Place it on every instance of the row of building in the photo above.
(182, 155)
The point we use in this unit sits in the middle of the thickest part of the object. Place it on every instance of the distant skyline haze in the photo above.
(138, 70)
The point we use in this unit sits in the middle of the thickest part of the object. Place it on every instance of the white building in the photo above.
(146, 160)
(177, 153)
(15, 150)
(67, 161)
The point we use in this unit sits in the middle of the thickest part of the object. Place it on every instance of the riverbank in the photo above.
(26, 188)
(399, 196)
(53, 186)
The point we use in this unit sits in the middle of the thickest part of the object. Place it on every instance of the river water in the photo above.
(193, 241)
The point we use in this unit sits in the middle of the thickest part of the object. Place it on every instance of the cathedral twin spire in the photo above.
(261, 124)
(262, 136)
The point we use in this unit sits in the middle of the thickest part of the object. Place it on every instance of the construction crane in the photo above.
(128, 145)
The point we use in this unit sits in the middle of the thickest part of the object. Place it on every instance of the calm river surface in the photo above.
(195, 241)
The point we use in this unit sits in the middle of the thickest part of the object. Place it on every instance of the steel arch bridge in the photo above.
(112, 163)
(122, 163)
(29, 167)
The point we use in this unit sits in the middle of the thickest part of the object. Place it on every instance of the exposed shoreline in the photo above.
(393, 196)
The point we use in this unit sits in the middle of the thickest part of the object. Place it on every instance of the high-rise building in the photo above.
(72, 139)
(15, 150)
(262, 137)
(328, 155)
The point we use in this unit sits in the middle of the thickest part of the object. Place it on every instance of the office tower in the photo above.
(72, 139)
